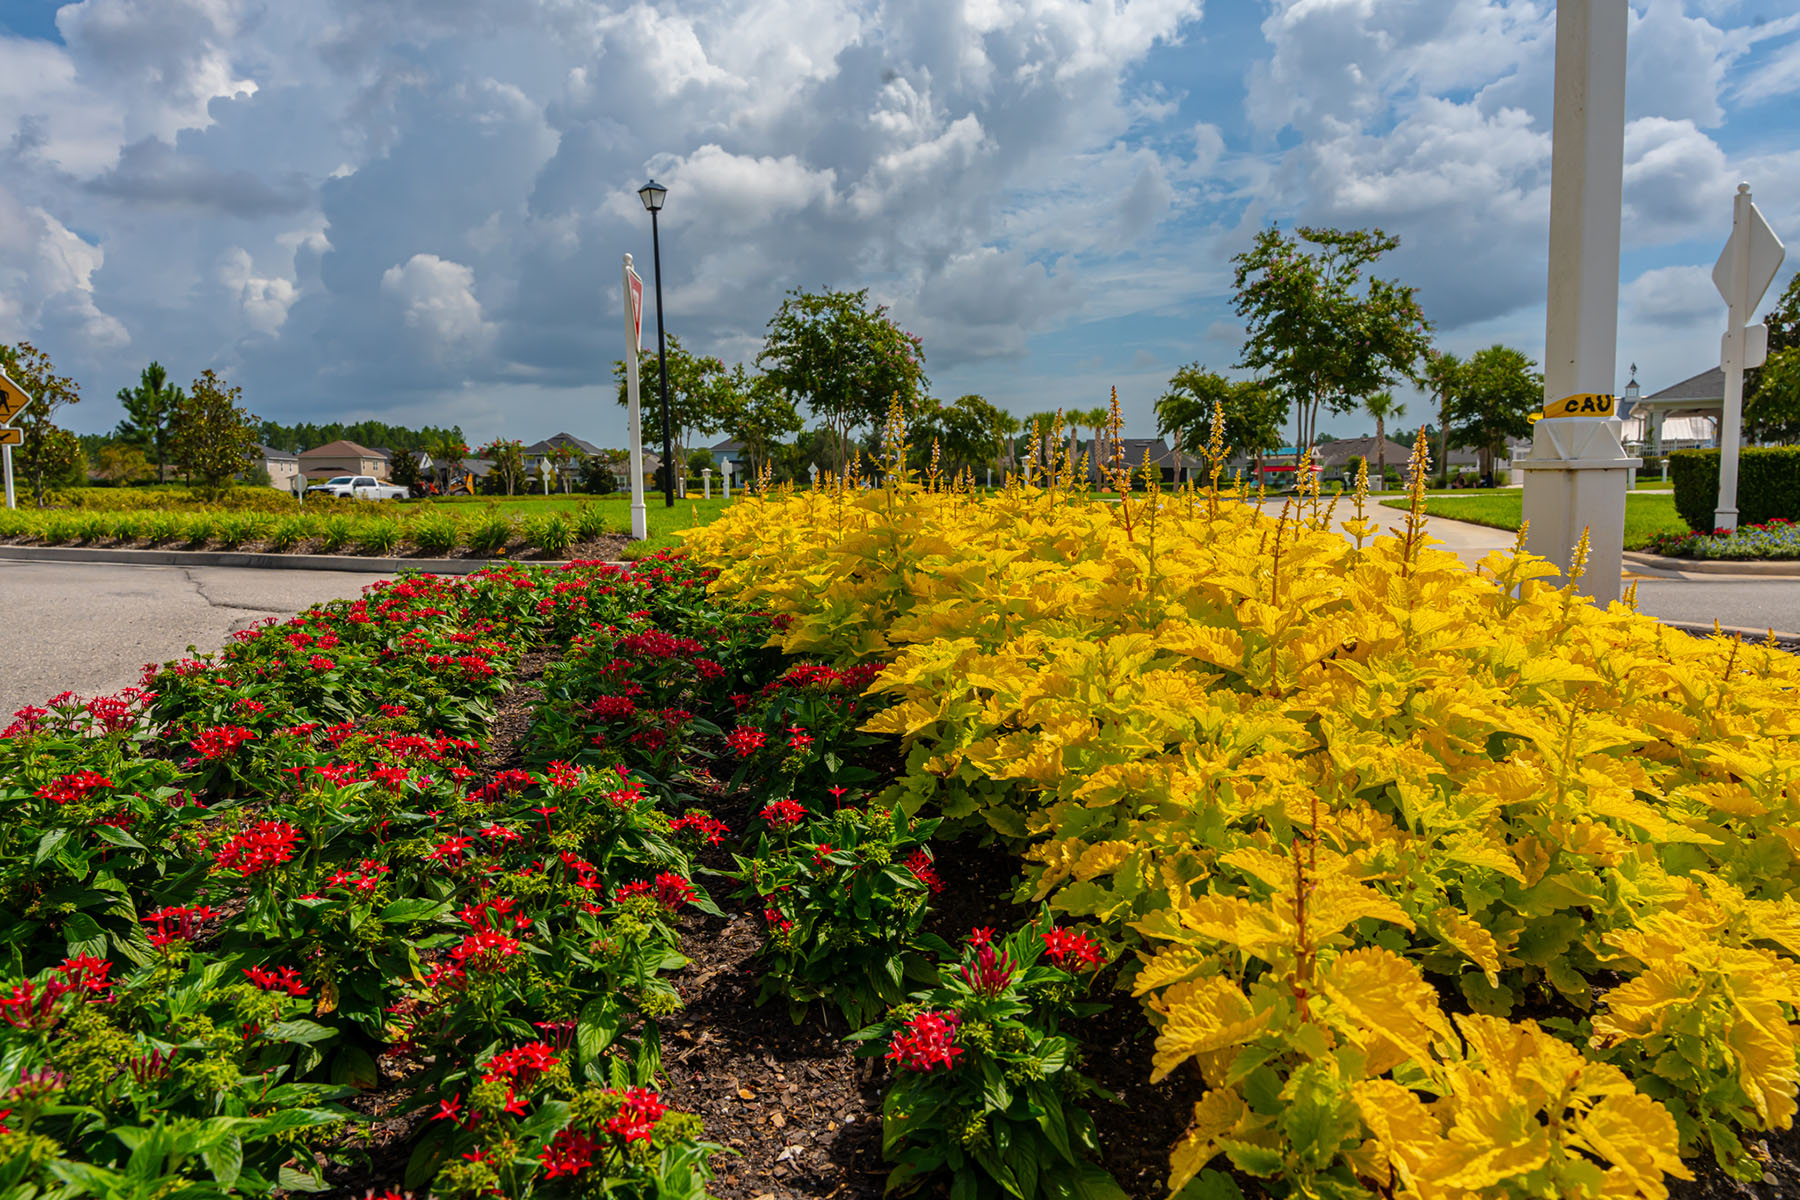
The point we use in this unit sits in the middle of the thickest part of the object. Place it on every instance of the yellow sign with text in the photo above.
(11, 437)
(1587, 404)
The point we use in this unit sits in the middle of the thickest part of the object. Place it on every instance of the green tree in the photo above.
(120, 463)
(1496, 391)
(49, 455)
(404, 470)
(845, 359)
(966, 431)
(1253, 412)
(759, 416)
(211, 438)
(1382, 406)
(699, 396)
(1320, 328)
(508, 457)
(1772, 391)
(149, 415)
(566, 459)
(1440, 380)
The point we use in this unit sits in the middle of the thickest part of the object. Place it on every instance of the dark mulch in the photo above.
(608, 547)
(1780, 1155)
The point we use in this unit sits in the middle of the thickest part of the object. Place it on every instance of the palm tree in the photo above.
(1381, 406)
(1094, 421)
(1442, 372)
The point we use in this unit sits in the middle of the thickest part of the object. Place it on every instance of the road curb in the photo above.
(1694, 566)
(276, 562)
(1699, 630)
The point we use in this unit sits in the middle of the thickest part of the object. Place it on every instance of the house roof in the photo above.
(562, 439)
(1341, 451)
(1160, 454)
(1708, 385)
(728, 446)
(269, 452)
(342, 448)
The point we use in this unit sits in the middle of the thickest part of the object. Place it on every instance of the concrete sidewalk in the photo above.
(1743, 601)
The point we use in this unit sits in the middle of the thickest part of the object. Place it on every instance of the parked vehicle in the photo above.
(357, 487)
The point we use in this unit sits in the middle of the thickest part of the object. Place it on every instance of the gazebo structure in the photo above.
(1684, 413)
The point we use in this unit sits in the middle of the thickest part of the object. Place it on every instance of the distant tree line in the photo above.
(396, 439)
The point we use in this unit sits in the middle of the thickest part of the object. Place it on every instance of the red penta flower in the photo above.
(989, 974)
(746, 742)
(673, 891)
(919, 863)
(570, 1152)
(925, 1042)
(563, 775)
(73, 788)
(281, 979)
(639, 1111)
(221, 741)
(265, 844)
(319, 662)
(711, 830)
(1072, 951)
(784, 813)
(798, 738)
(86, 973)
(521, 1066)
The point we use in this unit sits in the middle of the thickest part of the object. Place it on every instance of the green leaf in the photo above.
(430, 1152)
(50, 843)
(225, 1160)
(353, 1066)
(296, 1180)
(1210, 1185)
(301, 1031)
(83, 935)
(415, 909)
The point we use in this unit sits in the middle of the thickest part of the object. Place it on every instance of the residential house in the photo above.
(731, 451)
(283, 466)
(574, 449)
(343, 458)
(1174, 468)
(1338, 458)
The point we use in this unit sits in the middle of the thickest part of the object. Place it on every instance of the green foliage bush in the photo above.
(435, 533)
(1768, 485)
(590, 523)
(290, 532)
(549, 533)
(335, 532)
(491, 533)
(380, 537)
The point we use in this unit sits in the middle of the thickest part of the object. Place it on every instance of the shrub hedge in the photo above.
(1768, 485)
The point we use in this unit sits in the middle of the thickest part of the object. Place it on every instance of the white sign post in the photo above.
(1742, 274)
(634, 340)
(1576, 472)
(727, 479)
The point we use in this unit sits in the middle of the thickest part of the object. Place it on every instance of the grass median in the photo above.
(1647, 513)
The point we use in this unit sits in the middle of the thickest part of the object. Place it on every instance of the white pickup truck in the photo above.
(357, 487)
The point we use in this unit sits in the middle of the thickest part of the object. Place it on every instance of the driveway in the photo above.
(91, 627)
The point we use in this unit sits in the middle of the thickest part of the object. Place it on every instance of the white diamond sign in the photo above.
(1759, 265)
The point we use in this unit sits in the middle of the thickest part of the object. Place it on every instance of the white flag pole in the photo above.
(6, 457)
(634, 324)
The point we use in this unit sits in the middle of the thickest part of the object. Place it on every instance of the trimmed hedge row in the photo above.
(1768, 485)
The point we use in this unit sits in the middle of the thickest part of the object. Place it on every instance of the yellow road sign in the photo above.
(11, 437)
(12, 399)
(1587, 404)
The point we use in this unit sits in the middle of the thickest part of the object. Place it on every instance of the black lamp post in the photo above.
(652, 194)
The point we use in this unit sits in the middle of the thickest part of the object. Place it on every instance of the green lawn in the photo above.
(1647, 512)
(616, 507)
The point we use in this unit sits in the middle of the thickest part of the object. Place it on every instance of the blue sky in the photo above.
(414, 209)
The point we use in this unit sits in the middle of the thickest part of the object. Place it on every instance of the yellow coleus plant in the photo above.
(1142, 696)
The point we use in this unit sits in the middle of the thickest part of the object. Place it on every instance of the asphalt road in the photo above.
(91, 627)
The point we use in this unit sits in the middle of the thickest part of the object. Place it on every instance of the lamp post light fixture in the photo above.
(652, 194)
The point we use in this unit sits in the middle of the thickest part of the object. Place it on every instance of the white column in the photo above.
(640, 517)
(727, 479)
(1575, 476)
(706, 479)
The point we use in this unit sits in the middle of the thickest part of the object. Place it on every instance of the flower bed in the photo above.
(1775, 538)
(1440, 883)
(266, 886)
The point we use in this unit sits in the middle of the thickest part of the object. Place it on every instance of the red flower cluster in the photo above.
(990, 973)
(177, 924)
(319, 662)
(221, 741)
(784, 813)
(673, 891)
(745, 741)
(1072, 951)
(613, 708)
(364, 879)
(281, 979)
(712, 831)
(639, 1111)
(563, 775)
(485, 950)
(265, 844)
(919, 863)
(522, 1066)
(73, 788)
(798, 738)
(926, 1041)
(570, 1152)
